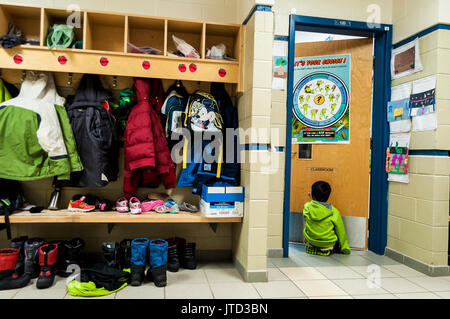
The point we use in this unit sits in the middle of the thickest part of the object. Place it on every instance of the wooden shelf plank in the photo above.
(66, 216)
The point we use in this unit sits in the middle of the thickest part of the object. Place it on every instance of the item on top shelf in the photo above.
(31, 248)
(147, 156)
(110, 252)
(185, 48)
(216, 51)
(135, 206)
(19, 243)
(38, 148)
(80, 206)
(71, 253)
(144, 50)
(122, 205)
(12, 38)
(95, 134)
(170, 206)
(99, 280)
(139, 251)
(175, 253)
(222, 201)
(186, 207)
(48, 257)
(9, 279)
(158, 262)
(149, 205)
(61, 36)
(125, 254)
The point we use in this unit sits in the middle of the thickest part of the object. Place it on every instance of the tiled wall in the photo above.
(418, 211)
(250, 238)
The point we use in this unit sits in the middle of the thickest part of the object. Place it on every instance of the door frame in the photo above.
(382, 33)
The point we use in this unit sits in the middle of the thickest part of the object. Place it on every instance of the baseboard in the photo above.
(275, 253)
(430, 270)
(250, 275)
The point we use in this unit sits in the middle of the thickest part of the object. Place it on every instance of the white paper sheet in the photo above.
(425, 122)
(424, 84)
(403, 141)
(401, 92)
(417, 65)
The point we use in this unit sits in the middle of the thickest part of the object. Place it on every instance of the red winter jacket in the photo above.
(147, 155)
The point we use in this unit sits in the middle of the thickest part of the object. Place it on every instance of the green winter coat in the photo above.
(324, 227)
(4, 94)
(36, 139)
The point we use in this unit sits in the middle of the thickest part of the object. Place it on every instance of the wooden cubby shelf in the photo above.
(105, 37)
(66, 216)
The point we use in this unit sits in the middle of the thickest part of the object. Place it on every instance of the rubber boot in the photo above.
(48, 257)
(174, 253)
(157, 272)
(139, 248)
(188, 260)
(8, 263)
(110, 254)
(31, 248)
(18, 243)
(71, 255)
(125, 254)
(60, 262)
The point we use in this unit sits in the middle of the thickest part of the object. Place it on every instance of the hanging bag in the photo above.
(61, 36)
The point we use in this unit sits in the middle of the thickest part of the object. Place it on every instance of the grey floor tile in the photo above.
(146, 291)
(274, 274)
(355, 287)
(215, 265)
(418, 295)
(287, 262)
(332, 297)
(270, 264)
(400, 285)
(8, 294)
(278, 289)
(380, 259)
(319, 288)
(34, 293)
(339, 272)
(223, 275)
(431, 283)
(371, 271)
(189, 291)
(320, 261)
(234, 290)
(187, 276)
(350, 260)
(443, 294)
(302, 273)
(403, 270)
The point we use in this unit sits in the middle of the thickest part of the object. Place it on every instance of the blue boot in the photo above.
(157, 272)
(139, 248)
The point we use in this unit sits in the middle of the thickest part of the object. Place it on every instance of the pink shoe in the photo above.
(135, 206)
(122, 205)
(149, 205)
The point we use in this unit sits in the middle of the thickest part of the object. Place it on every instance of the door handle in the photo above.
(293, 153)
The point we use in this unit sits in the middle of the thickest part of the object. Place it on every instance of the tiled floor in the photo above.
(361, 275)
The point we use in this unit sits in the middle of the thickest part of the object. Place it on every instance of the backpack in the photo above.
(202, 113)
(11, 197)
(172, 109)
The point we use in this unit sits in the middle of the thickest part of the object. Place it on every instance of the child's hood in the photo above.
(316, 211)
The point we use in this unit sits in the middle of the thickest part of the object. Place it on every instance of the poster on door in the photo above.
(321, 108)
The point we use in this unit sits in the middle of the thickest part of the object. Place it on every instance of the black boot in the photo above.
(188, 258)
(59, 267)
(125, 254)
(137, 274)
(8, 278)
(110, 254)
(18, 243)
(158, 275)
(31, 249)
(173, 260)
(72, 255)
(48, 256)
(158, 262)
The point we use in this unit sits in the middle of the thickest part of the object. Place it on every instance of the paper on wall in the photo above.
(401, 92)
(424, 118)
(279, 52)
(406, 60)
(400, 141)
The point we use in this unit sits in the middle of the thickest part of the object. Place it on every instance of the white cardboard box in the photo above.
(215, 210)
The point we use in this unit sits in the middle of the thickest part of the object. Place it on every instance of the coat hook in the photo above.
(114, 81)
(198, 85)
(24, 74)
(69, 80)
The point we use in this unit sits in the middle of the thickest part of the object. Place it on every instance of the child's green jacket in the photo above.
(324, 227)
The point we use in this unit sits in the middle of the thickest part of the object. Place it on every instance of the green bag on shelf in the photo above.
(61, 36)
